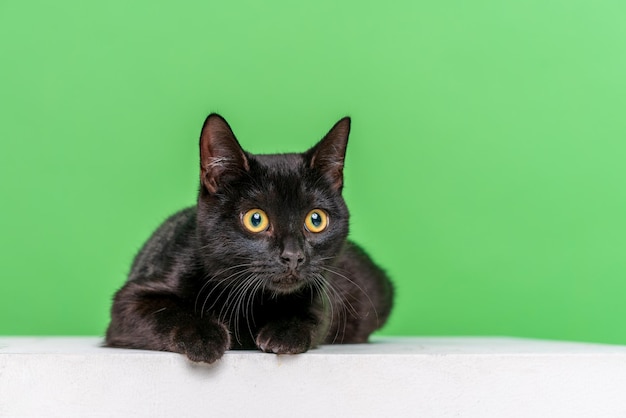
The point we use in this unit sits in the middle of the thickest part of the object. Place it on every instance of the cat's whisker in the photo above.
(357, 286)
(234, 306)
(343, 297)
(317, 287)
(347, 308)
(232, 277)
(321, 259)
(239, 305)
(242, 299)
(342, 314)
(210, 279)
(249, 311)
(232, 291)
(331, 304)
(322, 285)
(215, 287)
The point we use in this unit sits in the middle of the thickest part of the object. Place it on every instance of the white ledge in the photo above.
(394, 377)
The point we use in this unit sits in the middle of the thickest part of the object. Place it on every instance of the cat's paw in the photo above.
(284, 338)
(202, 341)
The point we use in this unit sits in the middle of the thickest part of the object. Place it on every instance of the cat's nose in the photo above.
(292, 259)
(292, 255)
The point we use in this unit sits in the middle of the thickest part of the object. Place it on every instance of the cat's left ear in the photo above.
(329, 154)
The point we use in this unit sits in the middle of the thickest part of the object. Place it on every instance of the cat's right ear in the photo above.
(221, 157)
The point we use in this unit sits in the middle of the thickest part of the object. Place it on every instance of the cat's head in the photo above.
(278, 220)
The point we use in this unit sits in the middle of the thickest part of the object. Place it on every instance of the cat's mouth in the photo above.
(287, 283)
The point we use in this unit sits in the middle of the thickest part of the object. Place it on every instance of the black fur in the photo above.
(203, 283)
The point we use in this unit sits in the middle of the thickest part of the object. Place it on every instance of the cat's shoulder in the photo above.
(354, 258)
(182, 217)
(176, 227)
(173, 236)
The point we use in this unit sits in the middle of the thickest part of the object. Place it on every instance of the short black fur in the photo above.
(205, 283)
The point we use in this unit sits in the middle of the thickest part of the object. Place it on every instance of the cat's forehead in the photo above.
(280, 163)
(279, 173)
(284, 179)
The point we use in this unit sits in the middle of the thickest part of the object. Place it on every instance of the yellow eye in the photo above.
(255, 220)
(316, 220)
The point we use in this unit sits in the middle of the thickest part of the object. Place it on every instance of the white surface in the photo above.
(392, 377)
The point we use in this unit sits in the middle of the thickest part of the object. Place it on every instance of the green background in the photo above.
(486, 169)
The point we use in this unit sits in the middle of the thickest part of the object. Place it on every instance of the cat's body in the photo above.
(262, 261)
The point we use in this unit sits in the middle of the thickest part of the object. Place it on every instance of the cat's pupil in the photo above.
(316, 219)
(256, 219)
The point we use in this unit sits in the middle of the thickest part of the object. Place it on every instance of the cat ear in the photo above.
(221, 156)
(329, 154)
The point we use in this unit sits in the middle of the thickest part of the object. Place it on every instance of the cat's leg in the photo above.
(144, 316)
(286, 336)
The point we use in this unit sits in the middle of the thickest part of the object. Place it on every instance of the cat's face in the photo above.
(275, 221)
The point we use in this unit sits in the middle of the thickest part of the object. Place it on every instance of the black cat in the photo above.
(261, 261)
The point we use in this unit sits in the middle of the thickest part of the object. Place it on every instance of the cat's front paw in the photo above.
(284, 338)
(202, 341)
